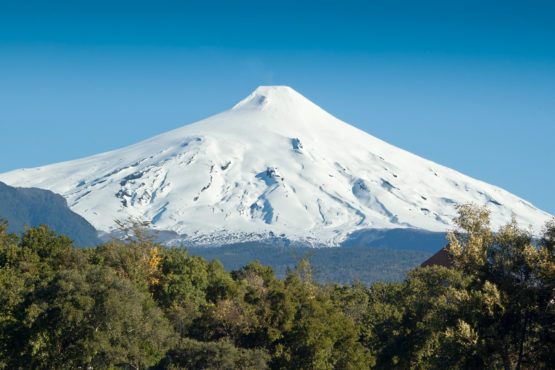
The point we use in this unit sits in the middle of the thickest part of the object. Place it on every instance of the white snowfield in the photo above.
(273, 166)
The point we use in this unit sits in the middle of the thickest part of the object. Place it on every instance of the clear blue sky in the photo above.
(468, 84)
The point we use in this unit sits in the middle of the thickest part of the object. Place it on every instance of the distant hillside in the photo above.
(33, 206)
(413, 239)
(342, 265)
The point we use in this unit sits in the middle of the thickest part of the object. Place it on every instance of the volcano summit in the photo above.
(273, 166)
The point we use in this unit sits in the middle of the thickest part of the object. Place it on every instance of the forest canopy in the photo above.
(133, 303)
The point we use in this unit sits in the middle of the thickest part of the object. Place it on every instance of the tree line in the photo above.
(134, 304)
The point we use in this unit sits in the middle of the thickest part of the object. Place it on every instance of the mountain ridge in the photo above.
(33, 206)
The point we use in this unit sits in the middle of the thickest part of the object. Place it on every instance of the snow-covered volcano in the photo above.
(274, 165)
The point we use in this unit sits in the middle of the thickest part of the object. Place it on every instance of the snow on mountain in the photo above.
(275, 165)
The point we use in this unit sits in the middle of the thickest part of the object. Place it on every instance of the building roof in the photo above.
(441, 258)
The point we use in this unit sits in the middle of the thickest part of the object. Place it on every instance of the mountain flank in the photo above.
(33, 206)
(274, 167)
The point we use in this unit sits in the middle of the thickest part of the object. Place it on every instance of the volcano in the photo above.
(274, 166)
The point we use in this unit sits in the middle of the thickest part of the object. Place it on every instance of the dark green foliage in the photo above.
(33, 206)
(94, 318)
(321, 336)
(132, 304)
(192, 354)
(494, 309)
(60, 311)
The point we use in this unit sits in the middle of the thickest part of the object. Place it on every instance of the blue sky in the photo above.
(468, 84)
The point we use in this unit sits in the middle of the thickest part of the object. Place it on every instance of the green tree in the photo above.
(520, 268)
(90, 318)
(493, 309)
(59, 311)
(321, 335)
(405, 322)
(27, 264)
(135, 256)
(182, 287)
(193, 354)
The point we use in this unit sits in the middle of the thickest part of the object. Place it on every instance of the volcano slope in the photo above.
(274, 168)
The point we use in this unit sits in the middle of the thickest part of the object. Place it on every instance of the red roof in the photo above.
(441, 258)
